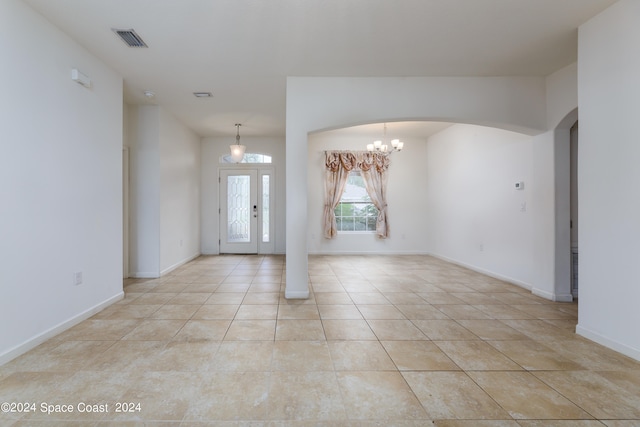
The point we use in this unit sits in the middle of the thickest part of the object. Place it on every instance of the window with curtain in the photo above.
(372, 169)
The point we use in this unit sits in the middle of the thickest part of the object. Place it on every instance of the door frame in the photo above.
(262, 169)
(125, 212)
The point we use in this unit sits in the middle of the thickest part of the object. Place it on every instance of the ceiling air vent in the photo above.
(130, 37)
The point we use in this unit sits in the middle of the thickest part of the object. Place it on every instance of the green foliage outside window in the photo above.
(355, 212)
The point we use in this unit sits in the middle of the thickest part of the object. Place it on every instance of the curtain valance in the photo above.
(356, 160)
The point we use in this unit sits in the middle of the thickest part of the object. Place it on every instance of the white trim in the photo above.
(178, 264)
(296, 294)
(61, 327)
(634, 353)
(390, 253)
(486, 272)
(542, 293)
(452, 261)
(552, 296)
(144, 275)
(563, 298)
(125, 212)
(274, 253)
(535, 291)
(155, 275)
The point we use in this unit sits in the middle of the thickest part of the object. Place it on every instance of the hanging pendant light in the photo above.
(237, 150)
(396, 144)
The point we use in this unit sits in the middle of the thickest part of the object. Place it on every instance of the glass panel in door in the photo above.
(238, 211)
(266, 204)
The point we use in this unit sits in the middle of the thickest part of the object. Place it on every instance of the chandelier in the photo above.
(380, 145)
(237, 150)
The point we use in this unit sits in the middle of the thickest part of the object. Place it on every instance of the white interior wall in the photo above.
(60, 182)
(609, 90)
(144, 190)
(573, 182)
(562, 114)
(212, 149)
(561, 94)
(179, 193)
(405, 191)
(476, 216)
(551, 190)
(320, 103)
(562, 191)
(164, 191)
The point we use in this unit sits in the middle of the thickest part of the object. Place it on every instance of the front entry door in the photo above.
(238, 211)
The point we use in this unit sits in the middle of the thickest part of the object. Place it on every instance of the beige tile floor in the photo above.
(402, 341)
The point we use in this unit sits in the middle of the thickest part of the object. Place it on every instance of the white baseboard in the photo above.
(143, 275)
(296, 294)
(61, 327)
(266, 254)
(633, 353)
(155, 275)
(552, 296)
(178, 264)
(486, 272)
(563, 298)
(542, 293)
(338, 253)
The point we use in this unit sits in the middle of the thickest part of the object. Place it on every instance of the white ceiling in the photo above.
(242, 50)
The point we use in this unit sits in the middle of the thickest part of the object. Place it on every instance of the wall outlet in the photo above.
(77, 278)
(481, 247)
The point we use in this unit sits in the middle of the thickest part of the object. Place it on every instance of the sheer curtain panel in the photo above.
(373, 170)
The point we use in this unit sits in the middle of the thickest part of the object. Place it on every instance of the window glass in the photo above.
(248, 158)
(265, 208)
(355, 212)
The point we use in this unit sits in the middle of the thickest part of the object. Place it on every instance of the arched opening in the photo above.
(566, 210)
(318, 103)
(451, 194)
(574, 214)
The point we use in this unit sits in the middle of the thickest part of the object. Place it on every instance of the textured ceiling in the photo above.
(243, 50)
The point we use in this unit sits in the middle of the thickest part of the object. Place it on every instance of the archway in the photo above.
(563, 212)
(317, 103)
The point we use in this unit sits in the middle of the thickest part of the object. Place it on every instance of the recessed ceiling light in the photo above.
(149, 94)
(202, 94)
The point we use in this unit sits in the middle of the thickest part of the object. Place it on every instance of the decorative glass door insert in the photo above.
(238, 211)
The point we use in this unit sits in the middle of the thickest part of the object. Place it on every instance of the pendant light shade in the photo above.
(237, 150)
(396, 144)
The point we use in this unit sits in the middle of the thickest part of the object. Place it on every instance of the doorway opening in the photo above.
(573, 167)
